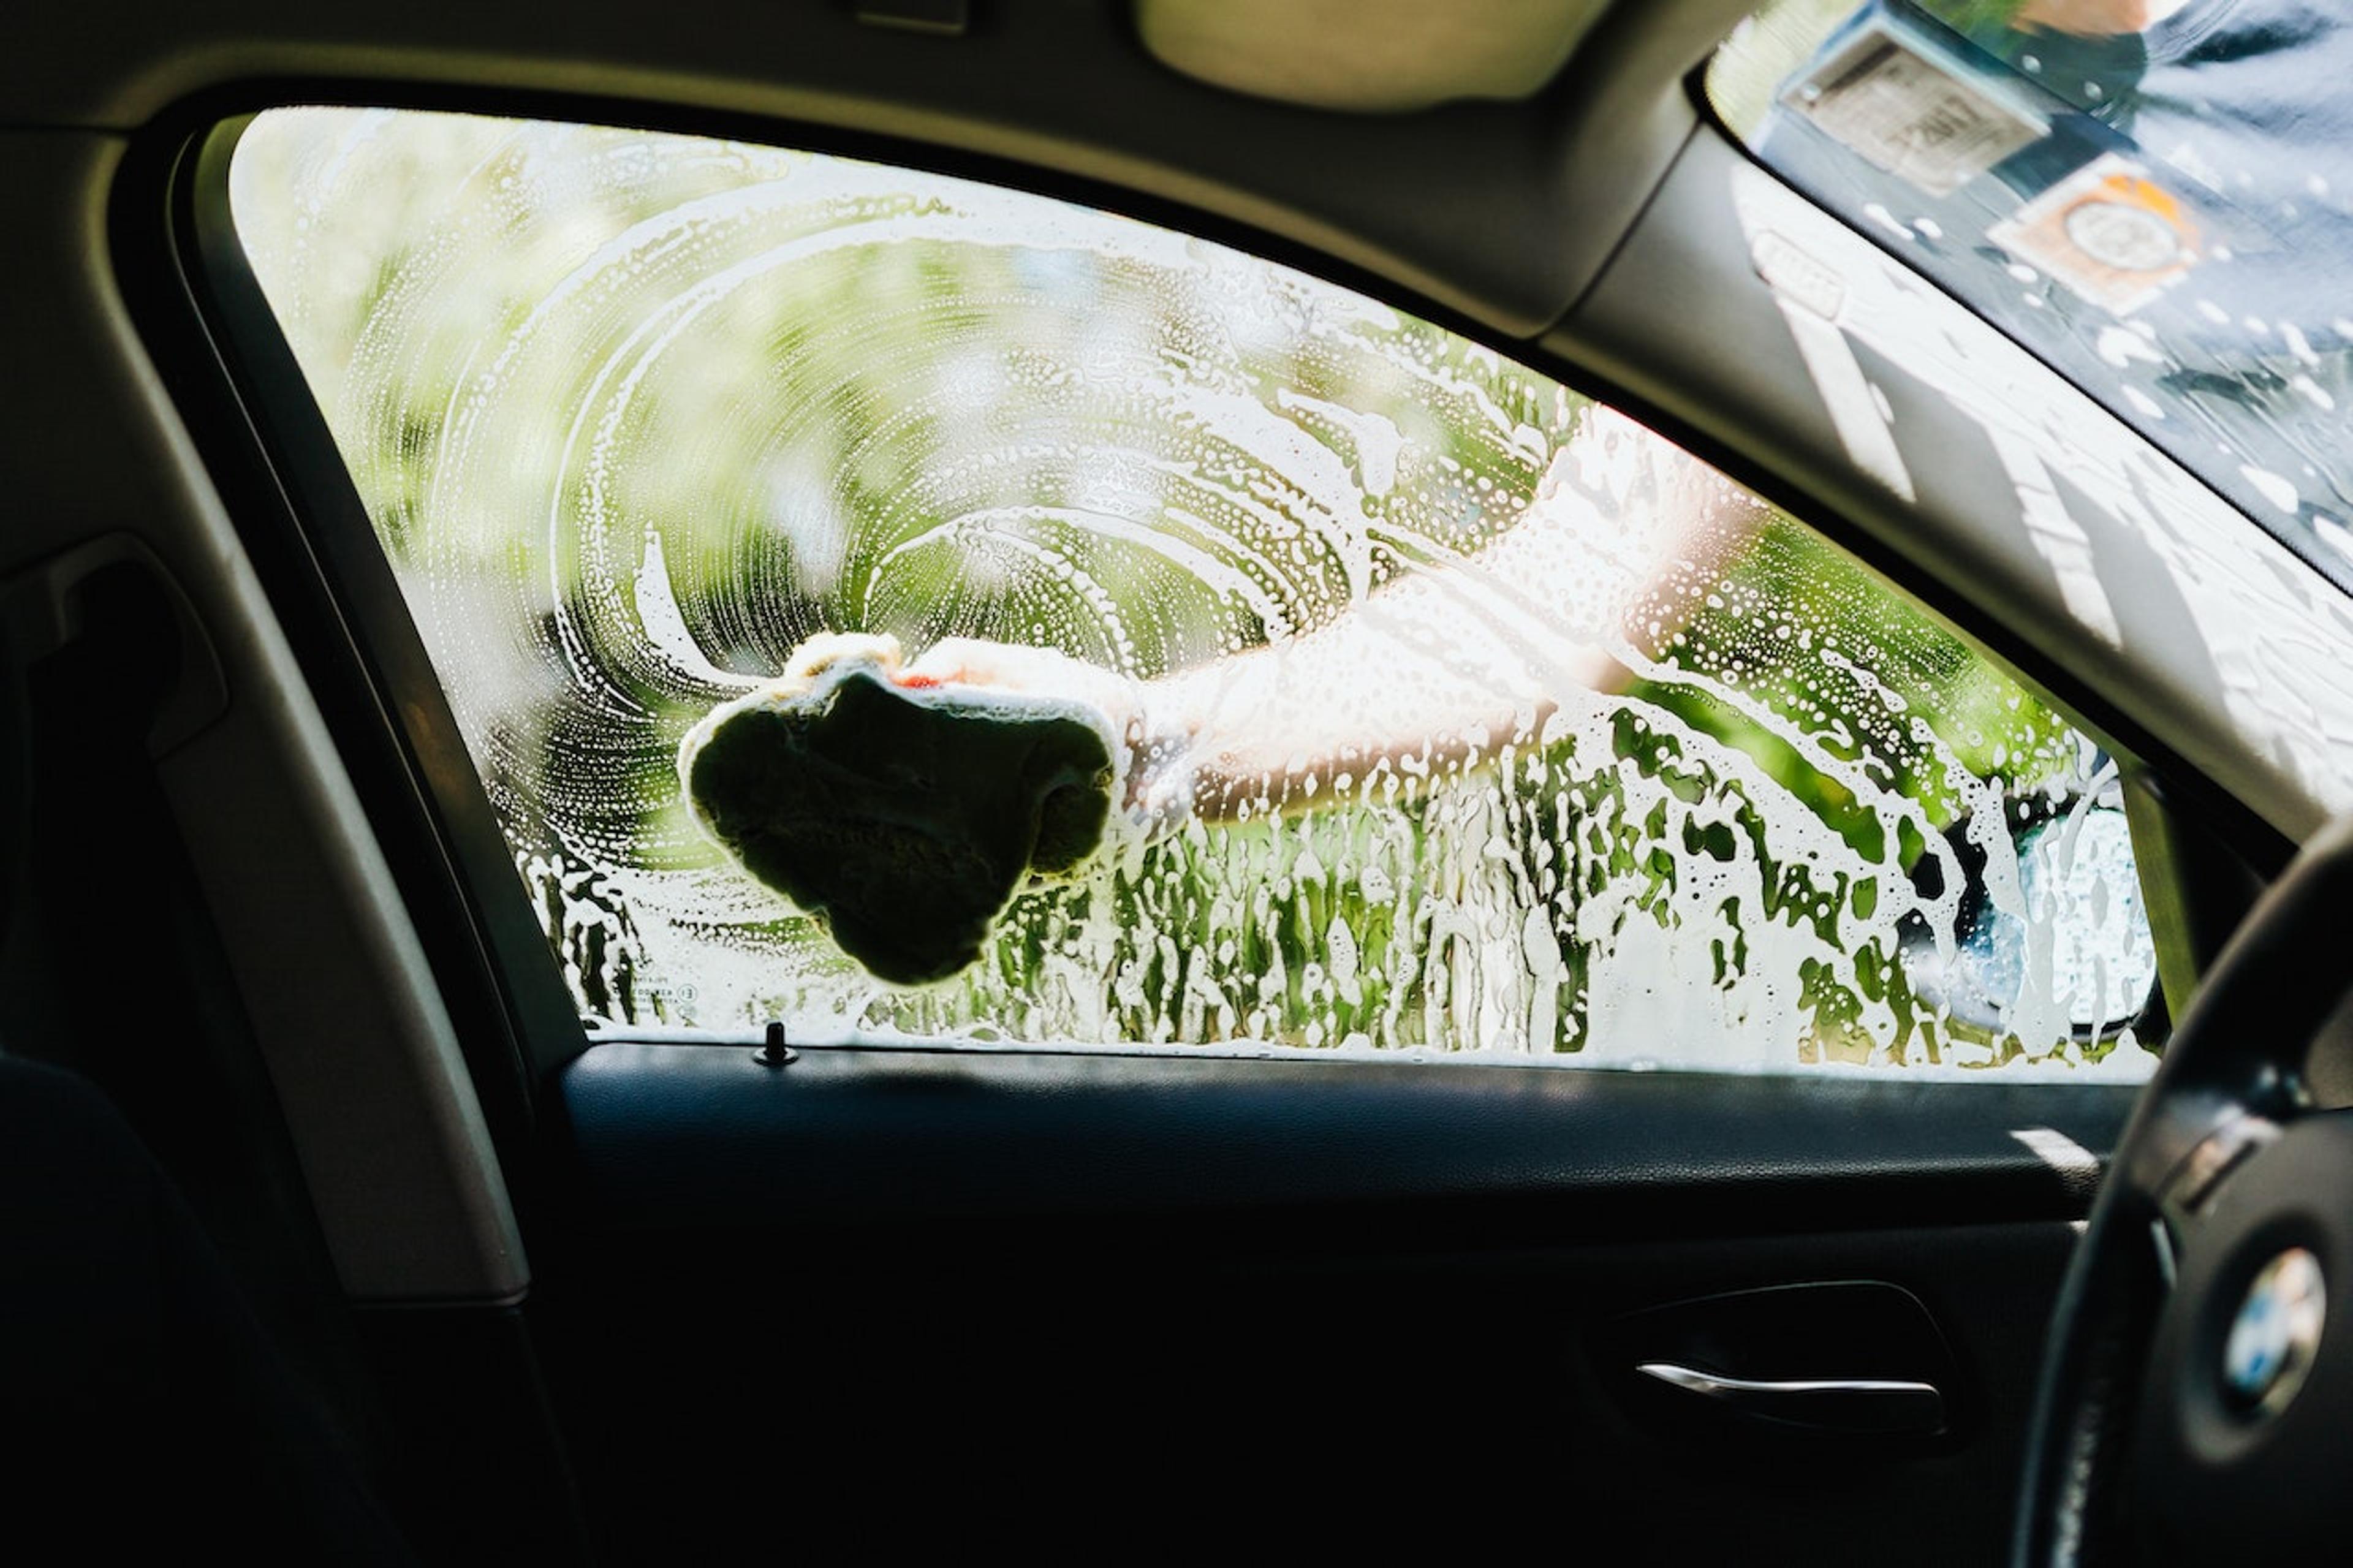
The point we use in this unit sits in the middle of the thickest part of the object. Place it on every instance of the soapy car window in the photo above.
(899, 606)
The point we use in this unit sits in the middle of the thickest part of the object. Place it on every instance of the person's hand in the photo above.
(2094, 18)
(1155, 767)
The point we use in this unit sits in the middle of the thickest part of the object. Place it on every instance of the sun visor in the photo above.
(1368, 56)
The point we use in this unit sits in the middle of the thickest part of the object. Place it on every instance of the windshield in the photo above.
(2156, 197)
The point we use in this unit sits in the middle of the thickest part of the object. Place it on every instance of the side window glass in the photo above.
(901, 607)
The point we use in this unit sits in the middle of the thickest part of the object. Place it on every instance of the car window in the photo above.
(906, 608)
(2152, 195)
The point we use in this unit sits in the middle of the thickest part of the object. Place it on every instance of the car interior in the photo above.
(360, 1240)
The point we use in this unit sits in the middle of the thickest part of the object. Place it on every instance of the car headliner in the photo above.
(1503, 211)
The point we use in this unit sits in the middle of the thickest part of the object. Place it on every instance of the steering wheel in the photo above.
(2197, 1398)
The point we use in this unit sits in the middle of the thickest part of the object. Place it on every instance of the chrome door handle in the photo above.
(1830, 1404)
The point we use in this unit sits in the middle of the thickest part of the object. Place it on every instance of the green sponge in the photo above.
(903, 811)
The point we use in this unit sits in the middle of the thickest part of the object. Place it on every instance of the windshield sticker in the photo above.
(1905, 114)
(2108, 233)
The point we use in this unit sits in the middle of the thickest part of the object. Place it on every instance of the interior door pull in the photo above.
(1830, 1404)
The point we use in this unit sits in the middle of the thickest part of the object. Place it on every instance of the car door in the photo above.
(1169, 1214)
(951, 1275)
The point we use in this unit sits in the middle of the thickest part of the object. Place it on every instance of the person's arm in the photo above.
(1442, 668)
(1453, 662)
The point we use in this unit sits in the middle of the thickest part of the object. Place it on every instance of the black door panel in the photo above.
(952, 1298)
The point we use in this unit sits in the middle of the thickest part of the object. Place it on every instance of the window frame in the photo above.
(299, 512)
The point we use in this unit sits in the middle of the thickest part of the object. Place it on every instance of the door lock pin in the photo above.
(776, 1052)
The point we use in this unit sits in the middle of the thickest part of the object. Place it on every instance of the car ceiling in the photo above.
(1502, 211)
